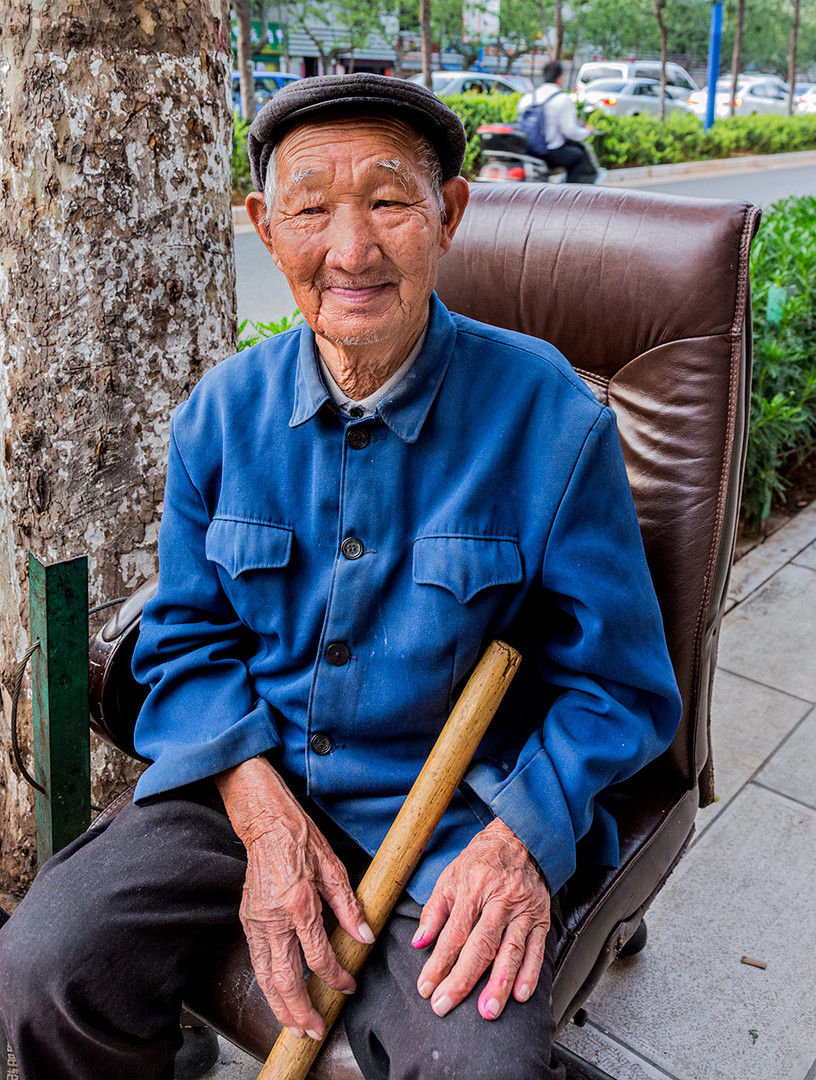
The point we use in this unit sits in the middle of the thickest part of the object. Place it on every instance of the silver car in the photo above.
(753, 96)
(630, 97)
(446, 83)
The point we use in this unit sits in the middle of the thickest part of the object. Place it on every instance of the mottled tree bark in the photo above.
(116, 291)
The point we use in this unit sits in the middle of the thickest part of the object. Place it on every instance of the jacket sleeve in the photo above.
(201, 715)
(615, 704)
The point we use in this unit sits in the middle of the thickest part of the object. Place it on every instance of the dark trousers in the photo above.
(94, 962)
(573, 157)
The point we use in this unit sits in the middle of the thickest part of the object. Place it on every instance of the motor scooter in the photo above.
(504, 150)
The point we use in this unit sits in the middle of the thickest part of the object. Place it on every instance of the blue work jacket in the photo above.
(327, 583)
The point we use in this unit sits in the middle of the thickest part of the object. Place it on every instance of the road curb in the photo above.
(657, 174)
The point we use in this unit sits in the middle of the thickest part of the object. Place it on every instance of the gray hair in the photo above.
(427, 159)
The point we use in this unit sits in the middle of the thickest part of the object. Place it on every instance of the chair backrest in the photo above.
(647, 296)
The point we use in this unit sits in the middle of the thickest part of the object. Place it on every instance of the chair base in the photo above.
(199, 1051)
(577, 1068)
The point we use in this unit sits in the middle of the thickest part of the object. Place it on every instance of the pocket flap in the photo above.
(464, 565)
(247, 545)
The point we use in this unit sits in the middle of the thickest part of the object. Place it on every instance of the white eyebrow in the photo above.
(394, 165)
(300, 175)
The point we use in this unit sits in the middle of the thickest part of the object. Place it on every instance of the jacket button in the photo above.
(322, 743)
(352, 548)
(338, 653)
(357, 438)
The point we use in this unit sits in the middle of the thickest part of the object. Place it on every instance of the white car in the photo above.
(753, 97)
(807, 102)
(676, 76)
(629, 97)
(446, 83)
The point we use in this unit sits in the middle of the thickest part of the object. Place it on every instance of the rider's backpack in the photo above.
(533, 124)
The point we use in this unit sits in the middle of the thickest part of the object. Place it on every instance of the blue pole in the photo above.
(714, 45)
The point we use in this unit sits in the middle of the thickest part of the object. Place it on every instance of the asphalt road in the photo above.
(263, 294)
(762, 186)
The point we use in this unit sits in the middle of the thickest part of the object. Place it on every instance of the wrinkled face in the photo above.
(357, 230)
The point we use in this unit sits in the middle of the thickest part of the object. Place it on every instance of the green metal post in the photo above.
(58, 598)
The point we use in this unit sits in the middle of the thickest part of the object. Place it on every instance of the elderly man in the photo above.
(353, 508)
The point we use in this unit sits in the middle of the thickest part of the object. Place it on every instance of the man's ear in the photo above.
(455, 195)
(256, 208)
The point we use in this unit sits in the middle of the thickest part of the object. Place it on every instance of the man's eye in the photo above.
(387, 202)
(310, 210)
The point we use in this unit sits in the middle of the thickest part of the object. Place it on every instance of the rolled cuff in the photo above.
(256, 733)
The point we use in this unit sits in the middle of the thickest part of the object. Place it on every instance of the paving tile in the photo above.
(763, 561)
(748, 722)
(771, 637)
(687, 1003)
(807, 557)
(792, 769)
(233, 1064)
(619, 1061)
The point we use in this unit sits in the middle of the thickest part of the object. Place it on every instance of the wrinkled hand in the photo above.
(489, 906)
(290, 865)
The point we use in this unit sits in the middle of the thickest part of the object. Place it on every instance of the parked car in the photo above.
(629, 97)
(446, 83)
(521, 83)
(267, 84)
(753, 97)
(676, 76)
(807, 102)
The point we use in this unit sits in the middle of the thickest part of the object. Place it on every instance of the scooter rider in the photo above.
(564, 133)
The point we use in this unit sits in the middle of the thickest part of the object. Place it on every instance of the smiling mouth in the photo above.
(357, 294)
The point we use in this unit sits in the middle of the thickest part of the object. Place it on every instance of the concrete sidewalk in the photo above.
(687, 1008)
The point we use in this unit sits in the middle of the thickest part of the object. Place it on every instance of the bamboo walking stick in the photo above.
(392, 866)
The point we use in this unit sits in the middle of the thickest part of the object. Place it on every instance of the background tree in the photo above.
(337, 28)
(427, 41)
(243, 59)
(659, 7)
(558, 29)
(736, 56)
(522, 26)
(794, 37)
(116, 291)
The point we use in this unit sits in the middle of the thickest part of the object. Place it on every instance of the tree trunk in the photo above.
(117, 289)
(794, 38)
(658, 6)
(558, 30)
(243, 60)
(283, 23)
(736, 56)
(425, 31)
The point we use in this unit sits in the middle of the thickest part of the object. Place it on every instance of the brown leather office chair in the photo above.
(648, 296)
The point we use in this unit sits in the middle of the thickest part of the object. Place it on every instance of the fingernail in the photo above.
(364, 930)
(524, 992)
(419, 935)
(313, 1035)
(491, 1009)
(298, 1034)
(426, 989)
(442, 1005)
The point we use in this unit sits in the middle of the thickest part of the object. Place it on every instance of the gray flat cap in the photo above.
(362, 92)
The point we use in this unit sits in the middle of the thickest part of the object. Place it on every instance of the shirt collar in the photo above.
(406, 406)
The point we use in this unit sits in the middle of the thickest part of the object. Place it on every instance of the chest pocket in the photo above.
(464, 565)
(238, 545)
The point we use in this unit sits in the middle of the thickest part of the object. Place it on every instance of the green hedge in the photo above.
(629, 141)
(783, 404)
(241, 180)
